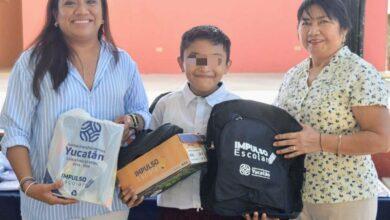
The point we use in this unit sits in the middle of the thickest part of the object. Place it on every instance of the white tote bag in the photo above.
(83, 154)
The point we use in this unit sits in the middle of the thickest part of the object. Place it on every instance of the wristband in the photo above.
(24, 180)
(339, 144)
(29, 186)
(134, 118)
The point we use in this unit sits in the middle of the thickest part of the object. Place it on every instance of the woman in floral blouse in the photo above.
(341, 100)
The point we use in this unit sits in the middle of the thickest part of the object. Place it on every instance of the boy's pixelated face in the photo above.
(204, 64)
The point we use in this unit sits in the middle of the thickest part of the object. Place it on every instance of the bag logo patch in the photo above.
(245, 169)
(90, 131)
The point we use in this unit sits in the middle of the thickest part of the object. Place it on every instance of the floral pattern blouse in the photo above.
(326, 105)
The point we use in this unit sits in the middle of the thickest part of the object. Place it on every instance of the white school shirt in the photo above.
(190, 112)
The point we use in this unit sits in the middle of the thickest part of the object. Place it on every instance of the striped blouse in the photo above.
(117, 90)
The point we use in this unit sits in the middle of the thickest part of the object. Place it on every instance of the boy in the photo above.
(205, 58)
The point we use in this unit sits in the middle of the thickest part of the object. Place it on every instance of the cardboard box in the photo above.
(163, 166)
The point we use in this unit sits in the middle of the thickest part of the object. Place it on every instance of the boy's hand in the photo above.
(129, 198)
(256, 217)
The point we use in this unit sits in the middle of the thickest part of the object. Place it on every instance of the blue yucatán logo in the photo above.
(90, 131)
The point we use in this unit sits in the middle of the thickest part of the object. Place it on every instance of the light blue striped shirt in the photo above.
(117, 90)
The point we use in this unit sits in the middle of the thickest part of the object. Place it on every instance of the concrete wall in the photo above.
(388, 42)
(11, 43)
(263, 32)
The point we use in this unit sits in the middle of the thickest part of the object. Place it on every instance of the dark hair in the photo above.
(50, 51)
(334, 9)
(205, 32)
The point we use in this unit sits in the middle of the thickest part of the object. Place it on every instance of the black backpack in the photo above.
(155, 101)
(243, 173)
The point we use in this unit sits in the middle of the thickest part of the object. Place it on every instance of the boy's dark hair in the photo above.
(334, 9)
(205, 32)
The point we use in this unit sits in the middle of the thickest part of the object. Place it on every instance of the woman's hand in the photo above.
(297, 143)
(43, 193)
(129, 198)
(128, 132)
(256, 217)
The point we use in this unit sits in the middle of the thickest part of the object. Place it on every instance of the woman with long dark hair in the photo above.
(73, 63)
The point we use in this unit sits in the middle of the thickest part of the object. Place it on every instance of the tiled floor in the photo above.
(256, 86)
(260, 87)
(3, 86)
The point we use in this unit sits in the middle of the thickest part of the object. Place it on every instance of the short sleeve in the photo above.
(368, 87)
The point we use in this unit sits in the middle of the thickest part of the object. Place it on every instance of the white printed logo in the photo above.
(245, 169)
(262, 173)
(246, 150)
(271, 158)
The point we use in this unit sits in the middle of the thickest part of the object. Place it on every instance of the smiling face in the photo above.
(320, 35)
(204, 77)
(80, 19)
